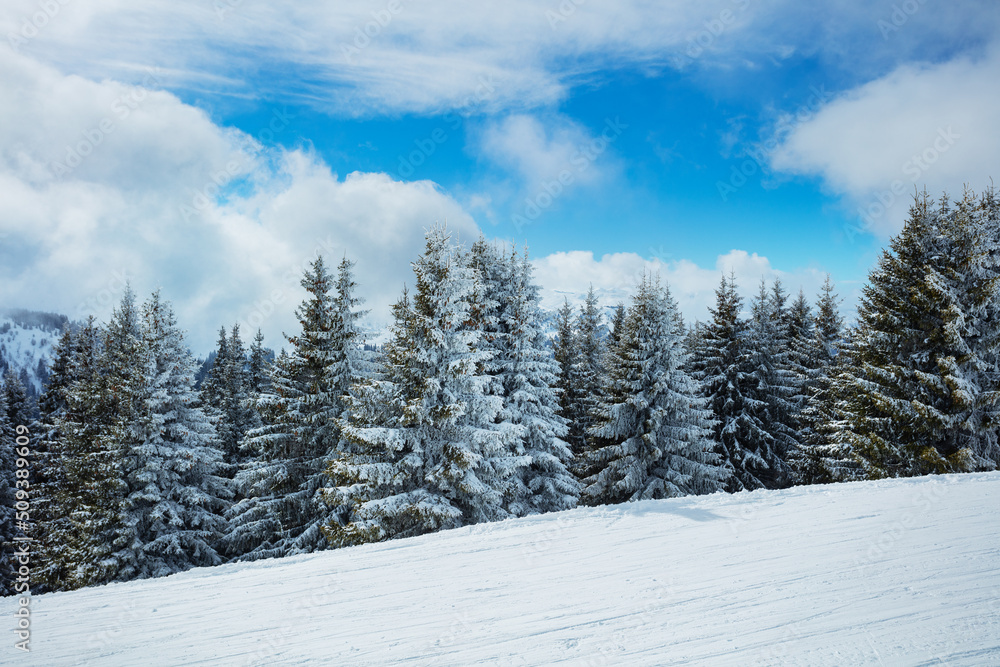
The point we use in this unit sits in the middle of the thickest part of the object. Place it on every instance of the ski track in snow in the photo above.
(895, 572)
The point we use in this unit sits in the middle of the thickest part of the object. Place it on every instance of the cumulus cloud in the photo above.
(566, 275)
(920, 125)
(160, 196)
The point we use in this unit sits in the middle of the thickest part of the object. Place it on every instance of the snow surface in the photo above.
(24, 346)
(895, 572)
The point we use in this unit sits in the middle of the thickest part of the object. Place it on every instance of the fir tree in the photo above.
(726, 366)
(820, 458)
(284, 510)
(914, 403)
(225, 393)
(176, 497)
(427, 452)
(523, 374)
(654, 426)
(569, 383)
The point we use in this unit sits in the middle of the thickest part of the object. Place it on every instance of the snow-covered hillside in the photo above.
(896, 572)
(27, 339)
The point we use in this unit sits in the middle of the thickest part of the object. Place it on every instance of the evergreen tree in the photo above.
(727, 367)
(655, 429)
(80, 548)
(48, 476)
(915, 403)
(820, 458)
(593, 351)
(226, 396)
(569, 382)
(773, 385)
(283, 510)
(427, 452)
(175, 496)
(523, 374)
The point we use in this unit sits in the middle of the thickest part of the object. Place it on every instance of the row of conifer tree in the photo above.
(472, 413)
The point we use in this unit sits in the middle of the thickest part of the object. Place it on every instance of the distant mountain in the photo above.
(27, 341)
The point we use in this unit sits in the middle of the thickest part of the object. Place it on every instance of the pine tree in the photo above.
(427, 452)
(772, 384)
(284, 509)
(820, 458)
(80, 548)
(523, 374)
(655, 429)
(569, 383)
(175, 496)
(225, 393)
(48, 476)
(725, 366)
(593, 351)
(914, 402)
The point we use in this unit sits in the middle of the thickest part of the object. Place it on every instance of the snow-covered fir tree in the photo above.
(283, 509)
(569, 383)
(176, 496)
(725, 366)
(653, 428)
(820, 458)
(772, 384)
(226, 395)
(427, 452)
(81, 547)
(593, 350)
(523, 374)
(47, 465)
(914, 402)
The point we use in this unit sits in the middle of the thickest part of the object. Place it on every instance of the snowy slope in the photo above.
(27, 338)
(897, 572)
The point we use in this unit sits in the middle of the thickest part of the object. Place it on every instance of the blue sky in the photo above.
(213, 150)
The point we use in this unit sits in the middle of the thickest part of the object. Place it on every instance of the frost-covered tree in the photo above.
(569, 383)
(654, 428)
(918, 399)
(726, 366)
(523, 374)
(176, 498)
(226, 395)
(820, 458)
(772, 384)
(427, 452)
(283, 509)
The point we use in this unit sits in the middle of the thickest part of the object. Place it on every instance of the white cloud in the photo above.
(615, 276)
(396, 55)
(932, 125)
(134, 207)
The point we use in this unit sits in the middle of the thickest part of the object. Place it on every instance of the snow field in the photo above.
(894, 572)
